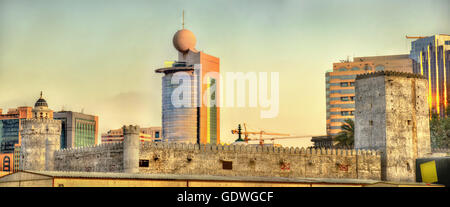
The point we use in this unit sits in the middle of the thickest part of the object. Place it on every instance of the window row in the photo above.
(347, 84)
(347, 113)
(347, 98)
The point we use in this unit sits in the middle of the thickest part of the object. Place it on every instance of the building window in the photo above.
(352, 98)
(352, 83)
(6, 164)
(144, 163)
(345, 113)
(227, 165)
(157, 134)
(345, 98)
(344, 84)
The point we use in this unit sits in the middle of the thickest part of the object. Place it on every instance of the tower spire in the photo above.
(41, 94)
(183, 20)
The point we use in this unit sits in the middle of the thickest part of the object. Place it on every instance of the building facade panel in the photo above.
(78, 129)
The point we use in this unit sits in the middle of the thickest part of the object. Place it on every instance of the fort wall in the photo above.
(241, 160)
(229, 160)
(100, 158)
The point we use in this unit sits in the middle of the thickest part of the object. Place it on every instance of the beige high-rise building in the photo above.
(340, 89)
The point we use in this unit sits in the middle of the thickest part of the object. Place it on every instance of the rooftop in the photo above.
(389, 73)
(134, 176)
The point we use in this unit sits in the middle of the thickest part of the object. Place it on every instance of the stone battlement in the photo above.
(131, 129)
(92, 148)
(40, 121)
(258, 149)
(389, 73)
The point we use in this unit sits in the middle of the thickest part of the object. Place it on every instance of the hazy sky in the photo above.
(100, 55)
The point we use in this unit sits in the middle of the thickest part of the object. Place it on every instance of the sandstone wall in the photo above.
(391, 115)
(194, 159)
(39, 139)
(101, 158)
(259, 161)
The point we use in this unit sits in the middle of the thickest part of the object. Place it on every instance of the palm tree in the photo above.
(347, 136)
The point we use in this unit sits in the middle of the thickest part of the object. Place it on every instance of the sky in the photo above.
(99, 56)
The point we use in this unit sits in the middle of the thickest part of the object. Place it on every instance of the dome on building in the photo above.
(184, 40)
(41, 102)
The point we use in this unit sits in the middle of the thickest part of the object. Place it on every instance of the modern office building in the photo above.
(78, 129)
(149, 134)
(431, 58)
(10, 136)
(340, 89)
(10, 125)
(197, 118)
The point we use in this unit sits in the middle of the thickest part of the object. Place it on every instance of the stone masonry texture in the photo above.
(194, 159)
(391, 115)
(40, 139)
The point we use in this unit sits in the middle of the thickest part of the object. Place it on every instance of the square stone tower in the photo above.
(392, 115)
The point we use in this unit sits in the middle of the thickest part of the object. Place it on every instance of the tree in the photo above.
(347, 136)
(439, 131)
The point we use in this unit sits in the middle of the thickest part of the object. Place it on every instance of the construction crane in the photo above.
(290, 137)
(247, 133)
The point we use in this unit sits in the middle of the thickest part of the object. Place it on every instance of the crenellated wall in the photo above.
(194, 159)
(100, 158)
(291, 162)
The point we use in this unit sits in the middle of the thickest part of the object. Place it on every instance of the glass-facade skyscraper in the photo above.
(431, 58)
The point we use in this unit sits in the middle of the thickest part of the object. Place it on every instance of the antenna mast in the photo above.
(183, 19)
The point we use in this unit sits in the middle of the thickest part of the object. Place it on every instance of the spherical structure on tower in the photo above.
(184, 40)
